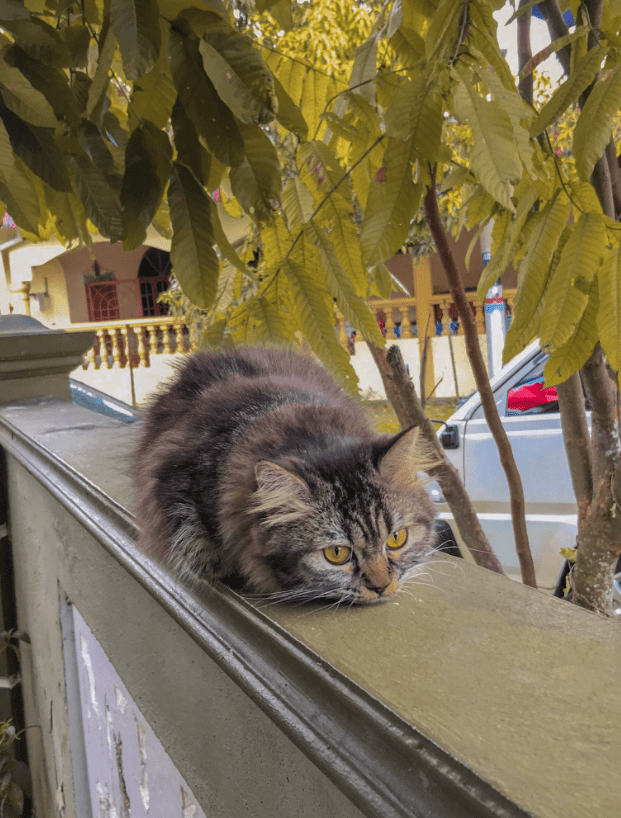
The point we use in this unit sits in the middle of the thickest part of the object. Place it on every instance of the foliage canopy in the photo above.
(118, 115)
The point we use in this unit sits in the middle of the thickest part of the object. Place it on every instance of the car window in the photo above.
(530, 396)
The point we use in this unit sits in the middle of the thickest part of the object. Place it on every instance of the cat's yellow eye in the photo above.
(337, 554)
(397, 539)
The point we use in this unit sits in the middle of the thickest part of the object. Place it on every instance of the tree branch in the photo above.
(557, 27)
(479, 371)
(525, 52)
(577, 442)
(401, 393)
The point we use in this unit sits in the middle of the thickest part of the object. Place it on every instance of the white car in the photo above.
(531, 418)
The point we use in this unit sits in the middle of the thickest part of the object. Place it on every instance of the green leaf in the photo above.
(276, 243)
(7, 160)
(100, 201)
(289, 72)
(198, 95)
(484, 38)
(36, 147)
(13, 10)
(215, 333)
(288, 114)
(313, 100)
(148, 160)
(494, 158)
(570, 357)
(381, 283)
(416, 113)
(194, 260)
(409, 45)
(40, 41)
(534, 272)
(174, 8)
(569, 92)
(595, 123)
(98, 150)
(77, 37)
(224, 245)
(69, 219)
(241, 78)
(321, 171)
(514, 106)
(189, 149)
(364, 69)
(315, 314)
(20, 196)
(229, 282)
(353, 307)
(101, 77)
(609, 312)
(50, 82)
(443, 29)
(262, 320)
(297, 201)
(24, 100)
(337, 216)
(392, 204)
(584, 197)
(136, 26)
(153, 95)
(570, 284)
(257, 181)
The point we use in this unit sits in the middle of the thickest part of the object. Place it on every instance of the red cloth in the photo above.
(529, 395)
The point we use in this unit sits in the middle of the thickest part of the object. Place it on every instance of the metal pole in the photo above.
(494, 310)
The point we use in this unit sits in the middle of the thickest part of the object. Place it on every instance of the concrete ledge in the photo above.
(467, 696)
(35, 360)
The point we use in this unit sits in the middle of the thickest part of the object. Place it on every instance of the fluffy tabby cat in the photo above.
(255, 468)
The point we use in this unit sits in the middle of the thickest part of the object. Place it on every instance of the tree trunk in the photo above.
(402, 395)
(481, 378)
(599, 537)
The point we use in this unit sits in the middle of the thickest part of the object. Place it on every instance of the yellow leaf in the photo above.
(570, 284)
(596, 121)
(494, 158)
(574, 353)
(393, 202)
(609, 313)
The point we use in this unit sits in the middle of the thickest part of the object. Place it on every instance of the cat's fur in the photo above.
(254, 461)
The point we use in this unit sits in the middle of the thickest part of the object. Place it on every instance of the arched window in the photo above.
(154, 272)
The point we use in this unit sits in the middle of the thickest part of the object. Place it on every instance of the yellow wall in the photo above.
(51, 309)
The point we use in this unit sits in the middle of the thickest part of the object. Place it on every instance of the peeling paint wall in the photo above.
(130, 775)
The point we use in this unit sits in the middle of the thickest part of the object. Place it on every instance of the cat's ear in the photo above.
(281, 495)
(405, 456)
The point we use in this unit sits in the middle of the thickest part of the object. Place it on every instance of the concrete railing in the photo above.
(132, 343)
(468, 695)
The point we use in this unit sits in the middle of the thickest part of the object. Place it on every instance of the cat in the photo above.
(256, 469)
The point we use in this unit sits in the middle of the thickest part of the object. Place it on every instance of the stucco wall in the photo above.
(110, 257)
(48, 302)
(234, 759)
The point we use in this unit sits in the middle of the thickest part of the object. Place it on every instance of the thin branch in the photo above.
(401, 393)
(525, 53)
(477, 364)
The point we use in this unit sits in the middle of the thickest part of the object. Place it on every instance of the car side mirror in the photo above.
(449, 437)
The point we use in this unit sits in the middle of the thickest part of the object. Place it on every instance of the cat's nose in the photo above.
(379, 589)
